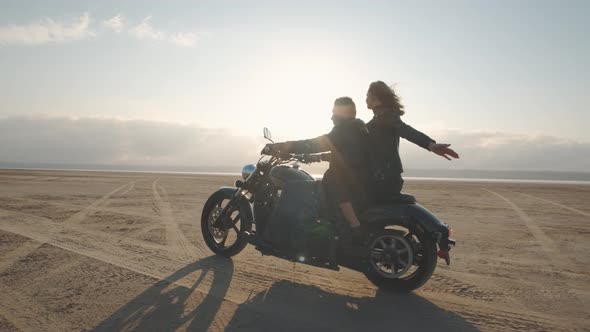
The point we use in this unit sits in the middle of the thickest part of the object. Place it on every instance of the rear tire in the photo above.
(216, 238)
(425, 262)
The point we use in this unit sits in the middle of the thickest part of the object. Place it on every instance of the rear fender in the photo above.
(410, 216)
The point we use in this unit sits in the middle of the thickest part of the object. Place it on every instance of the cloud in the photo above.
(146, 31)
(115, 23)
(47, 31)
(109, 141)
(52, 31)
(499, 150)
(184, 39)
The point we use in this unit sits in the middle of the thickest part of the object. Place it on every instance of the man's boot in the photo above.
(333, 251)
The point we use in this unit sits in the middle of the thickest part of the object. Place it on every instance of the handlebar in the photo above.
(307, 158)
(282, 157)
(304, 158)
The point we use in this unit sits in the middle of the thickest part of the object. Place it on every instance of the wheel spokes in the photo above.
(377, 251)
(222, 243)
(391, 255)
(229, 222)
(393, 243)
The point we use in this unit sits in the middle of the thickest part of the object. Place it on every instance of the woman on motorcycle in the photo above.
(385, 130)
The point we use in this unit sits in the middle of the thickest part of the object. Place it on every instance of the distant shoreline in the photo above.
(319, 176)
(585, 183)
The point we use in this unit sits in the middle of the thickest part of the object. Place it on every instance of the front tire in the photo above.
(387, 274)
(220, 240)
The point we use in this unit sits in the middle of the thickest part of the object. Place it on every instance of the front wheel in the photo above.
(228, 241)
(401, 260)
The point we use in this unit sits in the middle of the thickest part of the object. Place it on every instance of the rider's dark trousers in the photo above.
(337, 190)
(385, 189)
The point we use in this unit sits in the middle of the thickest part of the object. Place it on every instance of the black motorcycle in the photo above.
(278, 208)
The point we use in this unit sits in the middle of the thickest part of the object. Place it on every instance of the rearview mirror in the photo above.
(267, 134)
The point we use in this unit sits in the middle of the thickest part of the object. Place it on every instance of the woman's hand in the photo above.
(443, 150)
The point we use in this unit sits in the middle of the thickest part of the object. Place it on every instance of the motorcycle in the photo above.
(276, 205)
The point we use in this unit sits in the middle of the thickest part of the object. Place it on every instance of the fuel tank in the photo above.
(279, 175)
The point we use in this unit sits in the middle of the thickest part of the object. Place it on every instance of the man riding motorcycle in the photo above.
(275, 207)
(346, 178)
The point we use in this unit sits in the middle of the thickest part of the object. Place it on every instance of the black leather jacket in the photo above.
(348, 142)
(385, 130)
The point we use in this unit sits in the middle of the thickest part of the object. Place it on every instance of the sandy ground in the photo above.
(123, 251)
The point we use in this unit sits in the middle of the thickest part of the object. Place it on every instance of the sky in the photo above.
(194, 82)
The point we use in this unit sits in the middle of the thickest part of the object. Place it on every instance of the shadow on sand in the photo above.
(166, 306)
(289, 306)
(285, 306)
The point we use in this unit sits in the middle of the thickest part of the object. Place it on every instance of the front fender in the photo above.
(227, 192)
(407, 215)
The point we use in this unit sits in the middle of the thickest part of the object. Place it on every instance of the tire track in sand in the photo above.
(49, 228)
(30, 246)
(544, 241)
(101, 208)
(23, 311)
(21, 251)
(175, 238)
(190, 244)
(82, 214)
(157, 262)
(27, 315)
(586, 214)
(551, 250)
(131, 187)
(245, 279)
(106, 247)
(151, 262)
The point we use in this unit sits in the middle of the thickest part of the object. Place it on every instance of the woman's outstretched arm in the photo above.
(443, 150)
(394, 122)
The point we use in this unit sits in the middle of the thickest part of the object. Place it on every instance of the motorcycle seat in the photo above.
(401, 199)
(404, 199)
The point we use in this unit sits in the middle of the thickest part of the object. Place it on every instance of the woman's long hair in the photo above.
(386, 96)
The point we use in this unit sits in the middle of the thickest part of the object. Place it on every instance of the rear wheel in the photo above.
(401, 260)
(225, 241)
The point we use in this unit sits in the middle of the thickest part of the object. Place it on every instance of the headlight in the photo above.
(247, 170)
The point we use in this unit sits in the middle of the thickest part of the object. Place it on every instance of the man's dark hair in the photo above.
(344, 101)
(386, 96)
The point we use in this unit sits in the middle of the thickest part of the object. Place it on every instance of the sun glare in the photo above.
(298, 91)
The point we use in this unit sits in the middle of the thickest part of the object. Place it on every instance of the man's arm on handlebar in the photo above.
(308, 146)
